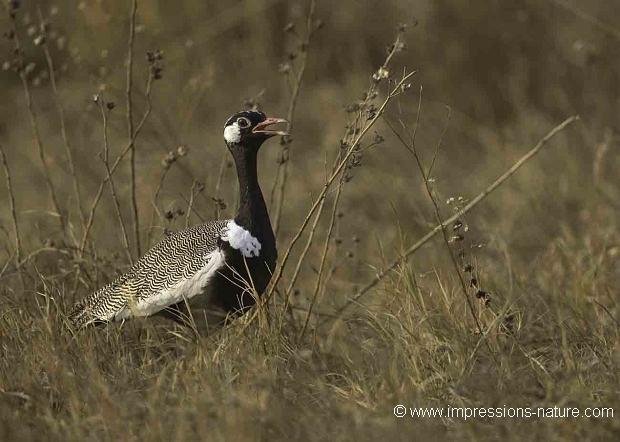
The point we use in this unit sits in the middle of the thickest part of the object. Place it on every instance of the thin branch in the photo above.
(105, 157)
(130, 132)
(499, 181)
(7, 172)
(301, 259)
(370, 123)
(33, 122)
(160, 185)
(286, 141)
(429, 192)
(63, 125)
(328, 240)
(190, 205)
(218, 184)
(93, 208)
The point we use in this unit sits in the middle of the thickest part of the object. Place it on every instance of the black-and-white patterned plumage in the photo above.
(201, 271)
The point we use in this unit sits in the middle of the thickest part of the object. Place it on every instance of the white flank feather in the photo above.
(240, 239)
(185, 289)
(232, 134)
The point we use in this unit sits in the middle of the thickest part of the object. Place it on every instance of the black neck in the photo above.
(252, 214)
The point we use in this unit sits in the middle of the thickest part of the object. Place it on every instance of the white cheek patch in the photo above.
(232, 134)
(240, 239)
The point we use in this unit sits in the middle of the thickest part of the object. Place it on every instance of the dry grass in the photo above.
(518, 307)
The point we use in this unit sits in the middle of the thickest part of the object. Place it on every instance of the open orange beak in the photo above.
(260, 128)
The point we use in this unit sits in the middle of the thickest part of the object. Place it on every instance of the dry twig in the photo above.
(473, 203)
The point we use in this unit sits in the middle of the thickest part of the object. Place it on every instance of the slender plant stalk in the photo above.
(349, 135)
(328, 240)
(95, 204)
(106, 163)
(63, 125)
(130, 131)
(190, 205)
(473, 203)
(301, 259)
(155, 210)
(218, 184)
(7, 172)
(425, 176)
(35, 126)
(284, 152)
(398, 89)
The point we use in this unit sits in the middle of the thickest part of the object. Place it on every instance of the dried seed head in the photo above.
(468, 268)
(481, 294)
(289, 28)
(182, 150)
(110, 105)
(473, 282)
(168, 214)
(371, 112)
(457, 225)
(380, 74)
(219, 203)
(457, 238)
(284, 68)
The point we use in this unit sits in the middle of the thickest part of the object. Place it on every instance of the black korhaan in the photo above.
(201, 271)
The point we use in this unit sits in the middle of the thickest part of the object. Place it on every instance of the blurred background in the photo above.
(507, 71)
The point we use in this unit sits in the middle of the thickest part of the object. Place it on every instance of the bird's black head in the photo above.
(248, 129)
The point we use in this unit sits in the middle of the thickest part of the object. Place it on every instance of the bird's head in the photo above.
(247, 130)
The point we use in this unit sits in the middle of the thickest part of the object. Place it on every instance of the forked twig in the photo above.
(398, 89)
(473, 203)
(33, 122)
(63, 124)
(7, 172)
(105, 159)
(286, 141)
(130, 131)
(93, 208)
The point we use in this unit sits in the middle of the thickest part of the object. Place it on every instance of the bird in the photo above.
(210, 271)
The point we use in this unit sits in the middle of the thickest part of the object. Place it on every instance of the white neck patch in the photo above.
(232, 134)
(240, 239)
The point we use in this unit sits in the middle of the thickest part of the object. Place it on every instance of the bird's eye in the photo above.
(243, 122)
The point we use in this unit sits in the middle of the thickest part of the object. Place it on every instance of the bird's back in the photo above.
(176, 268)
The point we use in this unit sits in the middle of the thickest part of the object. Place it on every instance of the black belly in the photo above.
(229, 293)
